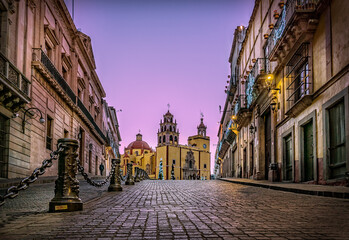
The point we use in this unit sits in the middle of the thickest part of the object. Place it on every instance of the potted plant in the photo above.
(262, 71)
(281, 3)
(254, 60)
(266, 35)
(276, 14)
(250, 67)
(271, 26)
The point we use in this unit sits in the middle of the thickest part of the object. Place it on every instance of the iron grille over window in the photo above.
(297, 74)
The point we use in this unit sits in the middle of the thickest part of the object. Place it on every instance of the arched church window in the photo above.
(164, 139)
(171, 138)
(176, 139)
(190, 164)
(170, 129)
(174, 128)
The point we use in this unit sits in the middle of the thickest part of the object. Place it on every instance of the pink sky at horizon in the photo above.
(150, 53)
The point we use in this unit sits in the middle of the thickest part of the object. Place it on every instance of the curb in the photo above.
(342, 195)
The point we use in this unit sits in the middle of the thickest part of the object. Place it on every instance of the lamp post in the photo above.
(41, 120)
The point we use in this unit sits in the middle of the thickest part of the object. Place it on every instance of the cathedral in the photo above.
(171, 160)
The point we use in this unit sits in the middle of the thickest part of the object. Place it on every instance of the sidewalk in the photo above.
(310, 189)
(6, 183)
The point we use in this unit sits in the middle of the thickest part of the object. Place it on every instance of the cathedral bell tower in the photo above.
(202, 128)
(168, 134)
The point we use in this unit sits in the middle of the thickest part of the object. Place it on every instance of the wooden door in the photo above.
(288, 158)
(267, 131)
(308, 152)
(3, 147)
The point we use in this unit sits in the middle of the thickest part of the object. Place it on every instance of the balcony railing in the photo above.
(88, 115)
(260, 68)
(39, 55)
(240, 104)
(14, 81)
(289, 9)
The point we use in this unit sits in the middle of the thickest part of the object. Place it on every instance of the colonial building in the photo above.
(141, 155)
(49, 88)
(188, 161)
(227, 152)
(291, 108)
(111, 127)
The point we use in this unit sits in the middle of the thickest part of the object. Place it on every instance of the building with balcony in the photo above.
(226, 156)
(47, 71)
(292, 109)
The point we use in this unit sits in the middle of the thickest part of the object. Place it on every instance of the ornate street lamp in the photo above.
(41, 120)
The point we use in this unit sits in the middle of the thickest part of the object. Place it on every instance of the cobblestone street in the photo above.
(183, 210)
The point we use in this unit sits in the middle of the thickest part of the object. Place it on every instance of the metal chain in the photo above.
(92, 182)
(13, 191)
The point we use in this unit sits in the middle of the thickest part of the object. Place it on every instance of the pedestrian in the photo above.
(101, 168)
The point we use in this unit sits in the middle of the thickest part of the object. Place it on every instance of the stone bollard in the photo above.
(115, 181)
(129, 180)
(66, 197)
(137, 172)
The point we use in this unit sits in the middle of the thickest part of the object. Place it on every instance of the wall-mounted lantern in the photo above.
(41, 120)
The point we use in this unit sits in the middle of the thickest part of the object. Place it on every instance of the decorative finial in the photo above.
(168, 106)
(139, 131)
(202, 115)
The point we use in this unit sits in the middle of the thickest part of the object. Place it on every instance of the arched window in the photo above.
(164, 139)
(174, 128)
(171, 138)
(190, 164)
(176, 139)
(170, 129)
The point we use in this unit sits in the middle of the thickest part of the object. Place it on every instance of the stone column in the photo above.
(66, 197)
(115, 181)
(129, 180)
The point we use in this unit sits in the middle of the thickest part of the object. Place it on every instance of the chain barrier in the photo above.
(92, 182)
(13, 191)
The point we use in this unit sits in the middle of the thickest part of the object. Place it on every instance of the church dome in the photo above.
(139, 144)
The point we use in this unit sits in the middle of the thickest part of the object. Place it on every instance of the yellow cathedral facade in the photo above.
(171, 160)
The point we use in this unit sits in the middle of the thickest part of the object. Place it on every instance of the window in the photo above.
(205, 166)
(48, 51)
(164, 139)
(136, 152)
(66, 133)
(171, 138)
(297, 74)
(175, 138)
(174, 161)
(49, 125)
(336, 147)
(190, 164)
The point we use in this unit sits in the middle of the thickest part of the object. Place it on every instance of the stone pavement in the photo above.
(303, 188)
(190, 210)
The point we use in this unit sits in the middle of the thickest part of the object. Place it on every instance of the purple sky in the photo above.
(153, 52)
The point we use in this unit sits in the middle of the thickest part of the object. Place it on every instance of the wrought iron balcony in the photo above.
(14, 86)
(254, 81)
(88, 115)
(40, 56)
(45, 66)
(291, 10)
(241, 110)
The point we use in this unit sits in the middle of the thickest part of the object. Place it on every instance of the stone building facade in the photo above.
(48, 72)
(291, 109)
